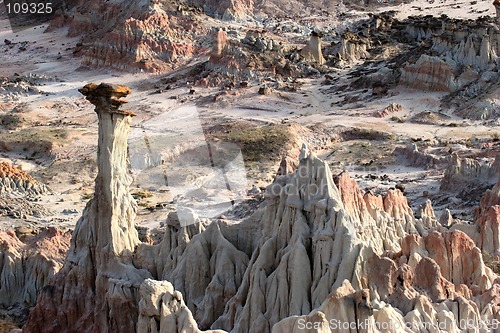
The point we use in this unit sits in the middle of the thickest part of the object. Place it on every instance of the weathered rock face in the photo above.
(162, 309)
(26, 267)
(429, 73)
(312, 52)
(463, 172)
(226, 10)
(352, 48)
(487, 217)
(137, 35)
(463, 52)
(431, 282)
(206, 267)
(152, 42)
(97, 288)
(15, 180)
(412, 156)
(380, 221)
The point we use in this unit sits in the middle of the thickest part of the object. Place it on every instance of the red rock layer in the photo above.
(152, 43)
(9, 171)
(429, 73)
(357, 201)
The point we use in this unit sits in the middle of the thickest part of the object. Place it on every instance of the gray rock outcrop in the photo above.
(463, 172)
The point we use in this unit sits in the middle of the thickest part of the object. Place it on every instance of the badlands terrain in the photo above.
(279, 166)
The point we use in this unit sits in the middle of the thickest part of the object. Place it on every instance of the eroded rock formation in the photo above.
(319, 250)
(26, 267)
(219, 44)
(436, 281)
(487, 217)
(151, 42)
(256, 55)
(15, 180)
(308, 221)
(131, 36)
(413, 156)
(97, 289)
(463, 53)
(353, 48)
(162, 309)
(464, 172)
(312, 52)
(390, 109)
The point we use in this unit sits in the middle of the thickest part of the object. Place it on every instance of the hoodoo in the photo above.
(97, 287)
(312, 51)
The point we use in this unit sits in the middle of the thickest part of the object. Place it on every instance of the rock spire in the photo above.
(97, 288)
